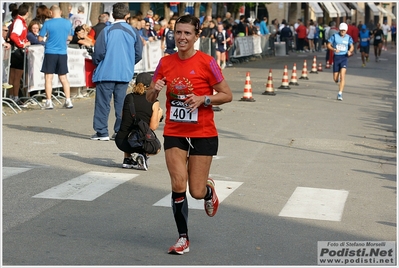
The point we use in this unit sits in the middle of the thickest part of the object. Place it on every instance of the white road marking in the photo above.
(315, 203)
(86, 187)
(11, 171)
(223, 190)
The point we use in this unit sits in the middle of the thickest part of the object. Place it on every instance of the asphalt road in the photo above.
(296, 168)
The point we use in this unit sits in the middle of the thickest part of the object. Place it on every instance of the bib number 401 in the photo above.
(181, 114)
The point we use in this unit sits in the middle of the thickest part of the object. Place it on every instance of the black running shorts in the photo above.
(199, 146)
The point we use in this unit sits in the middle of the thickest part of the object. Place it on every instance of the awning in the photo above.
(340, 10)
(382, 10)
(373, 7)
(356, 6)
(316, 9)
(347, 10)
(390, 14)
(330, 9)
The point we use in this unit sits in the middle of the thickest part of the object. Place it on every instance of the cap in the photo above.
(364, 27)
(144, 78)
(343, 26)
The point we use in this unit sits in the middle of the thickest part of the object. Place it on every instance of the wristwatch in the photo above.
(207, 101)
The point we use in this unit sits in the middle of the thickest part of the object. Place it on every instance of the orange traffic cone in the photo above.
(294, 80)
(314, 66)
(320, 67)
(269, 86)
(284, 84)
(304, 71)
(328, 66)
(247, 90)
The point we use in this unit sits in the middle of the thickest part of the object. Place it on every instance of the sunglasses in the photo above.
(147, 25)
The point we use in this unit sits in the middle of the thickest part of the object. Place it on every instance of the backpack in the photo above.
(142, 135)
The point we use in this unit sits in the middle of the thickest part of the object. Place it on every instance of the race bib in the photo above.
(342, 47)
(377, 37)
(364, 39)
(179, 112)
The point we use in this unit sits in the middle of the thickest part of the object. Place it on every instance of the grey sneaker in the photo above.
(142, 162)
(68, 104)
(48, 105)
(95, 137)
(339, 97)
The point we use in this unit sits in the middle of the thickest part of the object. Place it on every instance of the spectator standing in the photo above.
(96, 29)
(190, 134)
(19, 41)
(58, 31)
(385, 29)
(150, 18)
(11, 8)
(264, 30)
(79, 18)
(301, 33)
(321, 36)
(242, 28)
(143, 31)
(371, 25)
(393, 34)
(364, 36)
(42, 14)
(5, 46)
(118, 41)
(151, 34)
(228, 19)
(33, 33)
(296, 24)
(286, 36)
(342, 45)
(205, 30)
(168, 39)
(70, 11)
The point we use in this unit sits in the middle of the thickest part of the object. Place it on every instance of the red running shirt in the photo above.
(196, 75)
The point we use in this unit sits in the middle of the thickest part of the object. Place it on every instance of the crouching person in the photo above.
(151, 113)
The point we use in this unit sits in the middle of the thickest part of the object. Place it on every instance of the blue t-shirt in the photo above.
(364, 36)
(341, 43)
(57, 31)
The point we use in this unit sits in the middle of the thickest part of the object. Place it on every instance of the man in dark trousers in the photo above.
(117, 50)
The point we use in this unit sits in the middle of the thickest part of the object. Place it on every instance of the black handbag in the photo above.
(142, 135)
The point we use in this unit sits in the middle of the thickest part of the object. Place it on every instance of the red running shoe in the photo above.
(211, 205)
(181, 246)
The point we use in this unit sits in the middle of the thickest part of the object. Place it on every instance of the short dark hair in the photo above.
(189, 19)
(119, 11)
(12, 6)
(78, 29)
(23, 9)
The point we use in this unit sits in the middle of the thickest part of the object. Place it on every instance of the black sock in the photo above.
(180, 212)
(208, 195)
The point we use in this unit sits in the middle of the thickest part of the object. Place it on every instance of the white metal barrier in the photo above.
(78, 60)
